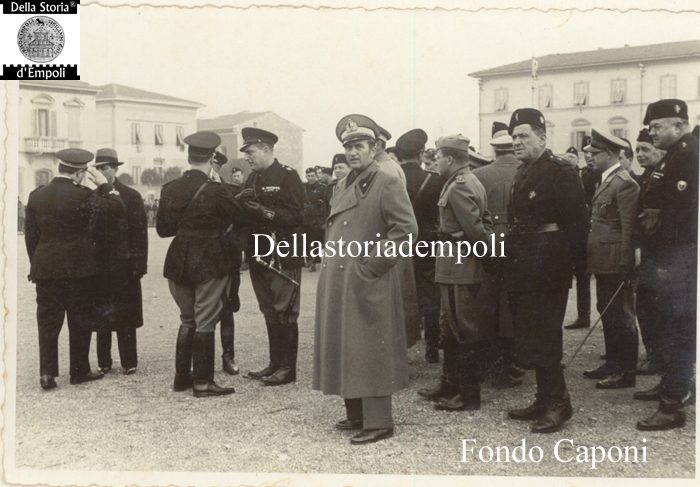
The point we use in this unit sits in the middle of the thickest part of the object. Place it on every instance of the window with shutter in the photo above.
(501, 99)
(180, 137)
(42, 122)
(136, 134)
(545, 93)
(581, 93)
(158, 130)
(617, 91)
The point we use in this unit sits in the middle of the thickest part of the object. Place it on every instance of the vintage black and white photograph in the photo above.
(355, 243)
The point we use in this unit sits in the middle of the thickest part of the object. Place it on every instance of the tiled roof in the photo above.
(627, 54)
(117, 91)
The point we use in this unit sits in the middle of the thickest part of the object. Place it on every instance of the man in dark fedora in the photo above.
(60, 238)
(123, 260)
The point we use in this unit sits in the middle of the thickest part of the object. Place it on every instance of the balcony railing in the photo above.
(49, 144)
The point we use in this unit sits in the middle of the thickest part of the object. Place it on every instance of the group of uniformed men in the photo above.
(481, 312)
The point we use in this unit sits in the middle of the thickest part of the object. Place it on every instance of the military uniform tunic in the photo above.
(671, 258)
(547, 242)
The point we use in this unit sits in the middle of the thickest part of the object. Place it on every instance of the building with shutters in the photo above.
(145, 128)
(605, 89)
(53, 115)
(289, 149)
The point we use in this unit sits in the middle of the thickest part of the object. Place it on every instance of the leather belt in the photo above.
(535, 228)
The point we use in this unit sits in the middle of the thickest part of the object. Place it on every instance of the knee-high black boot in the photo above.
(286, 373)
(276, 350)
(183, 359)
(203, 385)
(227, 339)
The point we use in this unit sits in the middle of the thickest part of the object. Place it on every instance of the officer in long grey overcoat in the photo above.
(360, 338)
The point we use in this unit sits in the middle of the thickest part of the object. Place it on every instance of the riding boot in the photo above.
(227, 334)
(276, 348)
(286, 372)
(203, 348)
(183, 359)
(469, 389)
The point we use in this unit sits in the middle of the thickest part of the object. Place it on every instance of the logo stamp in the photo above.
(41, 39)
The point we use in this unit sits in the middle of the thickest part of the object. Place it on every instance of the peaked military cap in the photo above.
(106, 156)
(500, 137)
(667, 108)
(220, 158)
(526, 115)
(356, 127)
(383, 134)
(201, 145)
(644, 136)
(75, 158)
(339, 159)
(572, 150)
(254, 135)
(601, 142)
(411, 143)
(455, 141)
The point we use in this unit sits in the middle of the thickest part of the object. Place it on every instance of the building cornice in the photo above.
(486, 76)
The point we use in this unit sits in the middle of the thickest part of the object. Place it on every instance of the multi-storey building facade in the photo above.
(605, 89)
(53, 115)
(145, 128)
(289, 149)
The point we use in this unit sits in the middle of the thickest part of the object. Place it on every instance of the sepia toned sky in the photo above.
(404, 68)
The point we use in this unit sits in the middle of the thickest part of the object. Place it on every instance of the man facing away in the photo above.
(60, 235)
(196, 211)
